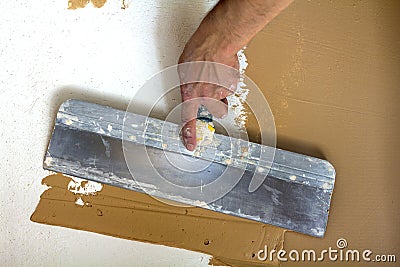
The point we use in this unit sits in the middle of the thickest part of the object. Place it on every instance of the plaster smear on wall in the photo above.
(136, 216)
(237, 112)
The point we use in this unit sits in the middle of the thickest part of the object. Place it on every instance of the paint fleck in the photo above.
(260, 169)
(79, 201)
(98, 3)
(75, 4)
(326, 186)
(228, 161)
(244, 152)
(48, 161)
(125, 4)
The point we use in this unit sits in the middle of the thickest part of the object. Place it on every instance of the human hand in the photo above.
(205, 80)
(226, 29)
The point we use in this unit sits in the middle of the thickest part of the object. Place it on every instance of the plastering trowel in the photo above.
(144, 154)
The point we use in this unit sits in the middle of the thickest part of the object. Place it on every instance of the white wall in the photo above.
(47, 55)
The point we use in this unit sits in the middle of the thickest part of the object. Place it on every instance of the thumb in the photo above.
(189, 116)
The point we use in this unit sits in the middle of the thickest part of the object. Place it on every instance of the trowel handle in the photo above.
(203, 114)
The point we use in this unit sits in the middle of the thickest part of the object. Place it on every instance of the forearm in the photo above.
(231, 24)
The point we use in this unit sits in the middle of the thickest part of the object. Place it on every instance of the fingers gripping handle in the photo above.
(203, 114)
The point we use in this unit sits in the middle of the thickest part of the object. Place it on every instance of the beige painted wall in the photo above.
(331, 73)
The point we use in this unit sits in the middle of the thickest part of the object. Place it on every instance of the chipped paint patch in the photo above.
(79, 202)
(84, 187)
(125, 4)
(98, 3)
(113, 212)
(75, 4)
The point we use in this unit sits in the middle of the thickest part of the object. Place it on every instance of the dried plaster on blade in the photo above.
(204, 136)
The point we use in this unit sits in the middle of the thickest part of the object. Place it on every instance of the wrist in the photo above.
(210, 46)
